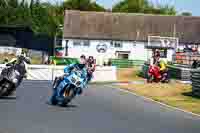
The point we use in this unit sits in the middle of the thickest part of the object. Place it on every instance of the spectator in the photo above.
(194, 64)
(91, 64)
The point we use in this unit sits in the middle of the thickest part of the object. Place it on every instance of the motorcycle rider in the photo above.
(163, 68)
(90, 68)
(80, 66)
(17, 62)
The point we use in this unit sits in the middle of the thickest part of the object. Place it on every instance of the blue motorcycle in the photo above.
(72, 84)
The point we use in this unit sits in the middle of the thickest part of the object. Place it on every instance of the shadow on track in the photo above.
(8, 98)
(69, 106)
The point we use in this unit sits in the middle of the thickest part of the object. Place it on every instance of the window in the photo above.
(58, 42)
(163, 53)
(78, 43)
(86, 43)
(116, 44)
(123, 56)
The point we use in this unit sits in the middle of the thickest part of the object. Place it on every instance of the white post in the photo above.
(64, 47)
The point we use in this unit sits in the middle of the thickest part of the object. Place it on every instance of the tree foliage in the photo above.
(143, 6)
(186, 14)
(43, 18)
(82, 5)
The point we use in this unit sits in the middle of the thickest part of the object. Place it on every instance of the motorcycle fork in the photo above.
(66, 92)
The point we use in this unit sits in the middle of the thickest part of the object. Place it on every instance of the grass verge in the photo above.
(128, 74)
(173, 94)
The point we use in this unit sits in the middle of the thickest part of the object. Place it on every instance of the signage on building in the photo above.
(101, 48)
(162, 42)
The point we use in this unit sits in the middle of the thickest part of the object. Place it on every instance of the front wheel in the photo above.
(68, 96)
(6, 88)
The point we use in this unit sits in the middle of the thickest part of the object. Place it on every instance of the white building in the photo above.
(119, 35)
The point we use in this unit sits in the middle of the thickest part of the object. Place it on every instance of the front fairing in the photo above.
(11, 74)
(76, 78)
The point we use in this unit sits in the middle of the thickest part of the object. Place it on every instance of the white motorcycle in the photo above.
(12, 76)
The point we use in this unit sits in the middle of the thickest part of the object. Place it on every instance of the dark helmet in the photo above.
(83, 57)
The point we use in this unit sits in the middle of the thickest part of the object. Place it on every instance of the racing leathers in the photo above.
(18, 64)
(163, 69)
(67, 71)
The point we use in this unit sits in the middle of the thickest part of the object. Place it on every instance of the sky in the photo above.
(192, 6)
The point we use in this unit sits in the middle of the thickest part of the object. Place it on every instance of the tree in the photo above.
(134, 6)
(143, 6)
(82, 5)
(186, 14)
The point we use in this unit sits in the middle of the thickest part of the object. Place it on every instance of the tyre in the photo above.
(9, 91)
(4, 88)
(68, 96)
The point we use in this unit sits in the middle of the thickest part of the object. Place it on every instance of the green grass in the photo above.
(173, 94)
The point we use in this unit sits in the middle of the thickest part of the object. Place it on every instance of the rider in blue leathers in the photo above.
(80, 66)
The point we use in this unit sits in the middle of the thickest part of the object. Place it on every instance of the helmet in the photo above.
(82, 59)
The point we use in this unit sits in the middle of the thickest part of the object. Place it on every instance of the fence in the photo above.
(124, 63)
(186, 58)
(180, 72)
(63, 60)
(195, 77)
(175, 72)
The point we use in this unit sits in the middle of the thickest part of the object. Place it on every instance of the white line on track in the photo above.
(149, 99)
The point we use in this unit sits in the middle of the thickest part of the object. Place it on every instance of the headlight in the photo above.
(78, 83)
(73, 79)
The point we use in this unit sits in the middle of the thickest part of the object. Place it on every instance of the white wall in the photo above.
(49, 72)
(137, 52)
(10, 50)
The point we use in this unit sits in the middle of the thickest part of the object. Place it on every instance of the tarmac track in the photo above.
(99, 110)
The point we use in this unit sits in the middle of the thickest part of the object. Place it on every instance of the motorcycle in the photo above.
(154, 75)
(72, 84)
(12, 76)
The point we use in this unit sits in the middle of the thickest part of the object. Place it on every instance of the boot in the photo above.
(56, 82)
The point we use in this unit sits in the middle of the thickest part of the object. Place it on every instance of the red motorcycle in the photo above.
(154, 75)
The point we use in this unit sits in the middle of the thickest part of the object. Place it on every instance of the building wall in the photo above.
(136, 49)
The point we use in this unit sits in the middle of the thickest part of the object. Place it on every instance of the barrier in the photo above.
(195, 77)
(63, 60)
(124, 63)
(179, 72)
(49, 72)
